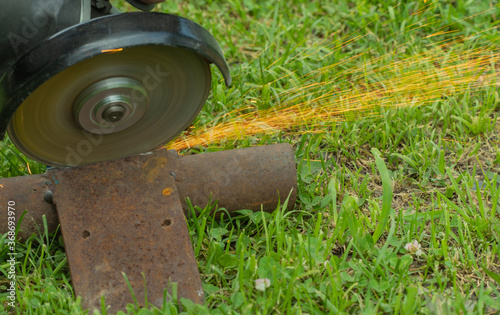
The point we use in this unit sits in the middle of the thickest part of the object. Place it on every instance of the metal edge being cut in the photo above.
(95, 37)
(125, 217)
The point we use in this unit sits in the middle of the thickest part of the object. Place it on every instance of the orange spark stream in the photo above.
(322, 97)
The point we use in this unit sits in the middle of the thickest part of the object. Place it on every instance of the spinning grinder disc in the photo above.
(114, 105)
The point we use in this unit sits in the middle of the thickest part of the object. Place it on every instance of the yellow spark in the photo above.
(111, 50)
(440, 33)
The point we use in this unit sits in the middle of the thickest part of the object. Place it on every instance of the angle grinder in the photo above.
(82, 82)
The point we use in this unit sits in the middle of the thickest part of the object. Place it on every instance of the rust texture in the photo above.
(27, 192)
(248, 178)
(125, 217)
(236, 179)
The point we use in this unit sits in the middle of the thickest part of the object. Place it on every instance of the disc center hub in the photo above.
(114, 113)
(111, 105)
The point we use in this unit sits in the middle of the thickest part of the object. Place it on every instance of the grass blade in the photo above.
(386, 195)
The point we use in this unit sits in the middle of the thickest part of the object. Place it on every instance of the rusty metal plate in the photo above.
(125, 216)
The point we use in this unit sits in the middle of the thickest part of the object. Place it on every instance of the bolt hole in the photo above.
(86, 234)
(166, 223)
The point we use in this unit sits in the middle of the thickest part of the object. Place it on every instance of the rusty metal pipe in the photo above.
(248, 178)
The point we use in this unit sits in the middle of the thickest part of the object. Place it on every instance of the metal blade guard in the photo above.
(130, 82)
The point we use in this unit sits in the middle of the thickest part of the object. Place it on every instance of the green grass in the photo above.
(367, 186)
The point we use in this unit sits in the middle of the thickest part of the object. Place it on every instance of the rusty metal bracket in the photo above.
(125, 217)
(128, 216)
(250, 178)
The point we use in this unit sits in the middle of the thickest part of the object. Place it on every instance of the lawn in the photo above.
(391, 108)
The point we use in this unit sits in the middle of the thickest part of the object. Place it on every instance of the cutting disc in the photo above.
(120, 103)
